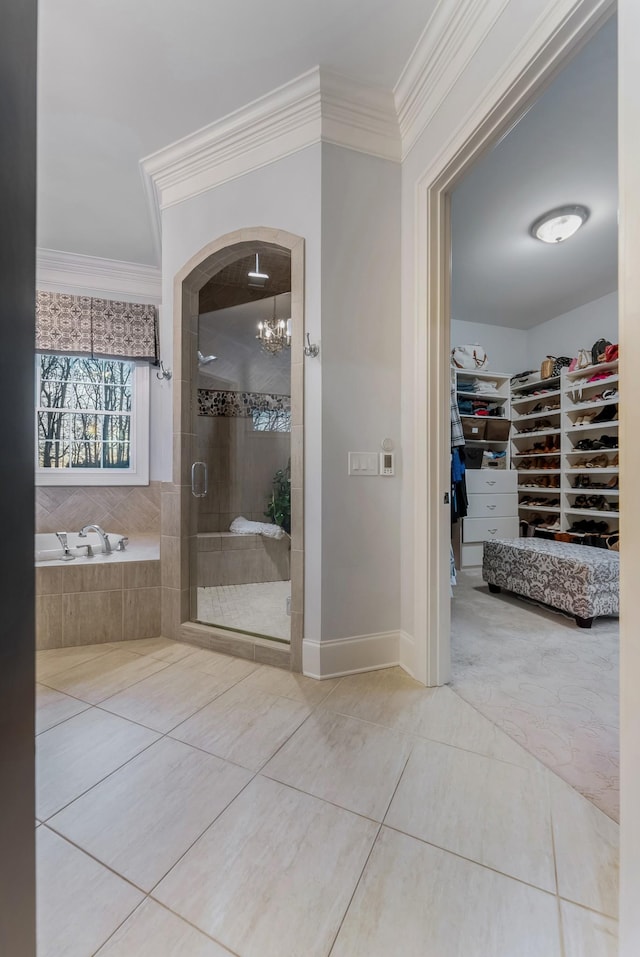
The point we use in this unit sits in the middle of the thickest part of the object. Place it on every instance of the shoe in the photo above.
(606, 414)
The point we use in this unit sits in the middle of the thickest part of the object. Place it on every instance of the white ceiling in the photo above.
(564, 151)
(121, 79)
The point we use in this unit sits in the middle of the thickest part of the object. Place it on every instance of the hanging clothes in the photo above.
(459, 500)
(457, 435)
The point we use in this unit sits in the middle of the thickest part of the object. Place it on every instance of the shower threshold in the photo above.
(258, 608)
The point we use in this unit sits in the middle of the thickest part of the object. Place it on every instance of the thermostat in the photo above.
(387, 463)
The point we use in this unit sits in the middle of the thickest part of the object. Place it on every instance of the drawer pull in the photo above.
(493, 482)
(491, 507)
(492, 531)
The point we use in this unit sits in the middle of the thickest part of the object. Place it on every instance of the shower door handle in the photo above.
(199, 479)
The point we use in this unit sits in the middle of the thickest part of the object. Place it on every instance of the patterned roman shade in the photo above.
(82, 325)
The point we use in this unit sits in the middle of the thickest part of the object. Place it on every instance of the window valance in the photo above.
(82, 325)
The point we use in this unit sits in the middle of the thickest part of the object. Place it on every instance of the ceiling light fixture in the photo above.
(205, 360)
(559, 224)
(257, 278)
(274, 334)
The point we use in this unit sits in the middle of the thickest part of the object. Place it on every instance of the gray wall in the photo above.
(17, 267)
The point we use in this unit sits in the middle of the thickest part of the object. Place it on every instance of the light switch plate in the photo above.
(363, 463)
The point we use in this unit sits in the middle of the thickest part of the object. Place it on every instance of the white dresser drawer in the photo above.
(483, 529)
(493, 504)
(472, 554)
(487, 480)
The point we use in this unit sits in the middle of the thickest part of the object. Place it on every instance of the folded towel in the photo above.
(242, 526)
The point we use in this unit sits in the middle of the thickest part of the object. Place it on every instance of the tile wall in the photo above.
(123, 509)
(79, 605)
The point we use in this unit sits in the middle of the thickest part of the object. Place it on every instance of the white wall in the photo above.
(574, 330)
(283, 195)
(346, 206)
(505, 348)
(360, 391)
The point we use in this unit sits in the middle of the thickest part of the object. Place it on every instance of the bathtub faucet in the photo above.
(104, 538)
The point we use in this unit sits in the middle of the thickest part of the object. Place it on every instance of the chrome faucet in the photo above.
(66, 552)
(104, 538)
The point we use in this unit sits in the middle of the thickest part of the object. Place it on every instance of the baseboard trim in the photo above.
(407, 654)
(348, 656)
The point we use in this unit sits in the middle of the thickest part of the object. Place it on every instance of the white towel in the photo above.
(242, 526)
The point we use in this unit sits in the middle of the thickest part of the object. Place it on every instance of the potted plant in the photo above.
(279, 506)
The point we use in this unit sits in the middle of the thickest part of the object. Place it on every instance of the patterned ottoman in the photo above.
(579, 579)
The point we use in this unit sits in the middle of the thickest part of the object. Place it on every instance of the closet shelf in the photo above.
(601, 385)
(484, 396)
(533, 385)
(533, 435)
(540, 508)
(592, 512)
(535, 455)
(538, 471)
(534, 395)
(487, 418)
(537, 415)
(593, 491)
(591, 370)
(612, 470)
(591, 451)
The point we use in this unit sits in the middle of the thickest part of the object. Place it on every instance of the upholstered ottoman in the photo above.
(580, 579)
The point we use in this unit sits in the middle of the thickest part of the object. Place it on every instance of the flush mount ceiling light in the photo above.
(205, 360)
(559, 224)
(257, 278)
(274, 334)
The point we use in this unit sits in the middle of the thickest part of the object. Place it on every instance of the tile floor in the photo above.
(195, 804)
(259, 608)
(550, 685)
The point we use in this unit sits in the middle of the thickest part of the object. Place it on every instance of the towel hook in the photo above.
(311, 349)
(164, 373)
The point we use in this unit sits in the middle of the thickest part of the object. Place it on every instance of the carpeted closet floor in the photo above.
(551, 686)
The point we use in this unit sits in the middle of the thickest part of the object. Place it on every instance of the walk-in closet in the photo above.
(535, 521)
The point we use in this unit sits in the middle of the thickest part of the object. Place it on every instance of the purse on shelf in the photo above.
(553, 365)
(611, 352)
(598, 351)
(469, 357)
(581, 361)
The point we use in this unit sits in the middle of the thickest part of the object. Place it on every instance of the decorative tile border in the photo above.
(218, 402)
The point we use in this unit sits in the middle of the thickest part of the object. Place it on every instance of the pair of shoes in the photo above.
(598, 502)
(587, 526)
(606, 414)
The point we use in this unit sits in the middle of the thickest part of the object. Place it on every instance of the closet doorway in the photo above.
(540, 441)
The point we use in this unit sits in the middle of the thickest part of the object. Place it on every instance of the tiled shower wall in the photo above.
(241, 465)
(123, 509)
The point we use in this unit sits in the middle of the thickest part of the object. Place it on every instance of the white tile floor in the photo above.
(199, 805)
(259, 608)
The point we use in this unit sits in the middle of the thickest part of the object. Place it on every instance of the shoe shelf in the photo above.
(576, 397)
(533, 435)
(545, 414)
(592, 513)
(540, 508)
(520, 399)
(587, 406)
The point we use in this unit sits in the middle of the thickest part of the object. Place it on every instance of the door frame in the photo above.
(532, 70)
(177, 540)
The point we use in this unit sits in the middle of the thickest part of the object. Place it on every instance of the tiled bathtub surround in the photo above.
(88, 604)
(221, 402)
(123, 509)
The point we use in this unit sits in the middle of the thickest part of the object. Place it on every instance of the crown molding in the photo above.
(74, 273)
(447, 44)
(318, 106)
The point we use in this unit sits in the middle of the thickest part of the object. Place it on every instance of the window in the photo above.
(91, 421)
(271, 420)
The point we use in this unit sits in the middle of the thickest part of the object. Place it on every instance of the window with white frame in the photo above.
(92, 421)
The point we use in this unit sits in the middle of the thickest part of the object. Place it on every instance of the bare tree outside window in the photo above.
(83, 412)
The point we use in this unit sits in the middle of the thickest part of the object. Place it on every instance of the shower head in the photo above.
(205, 360)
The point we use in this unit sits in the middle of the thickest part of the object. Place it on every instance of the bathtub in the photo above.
(49, 551)
(106, 598)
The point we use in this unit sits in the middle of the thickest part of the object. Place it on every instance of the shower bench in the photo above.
(579, 579)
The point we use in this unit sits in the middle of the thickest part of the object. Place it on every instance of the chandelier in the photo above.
(274, 334)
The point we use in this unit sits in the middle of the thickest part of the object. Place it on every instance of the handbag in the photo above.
(469, 357)
(598, 350)
(581, 361)
(611, 352)
(562, 362)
